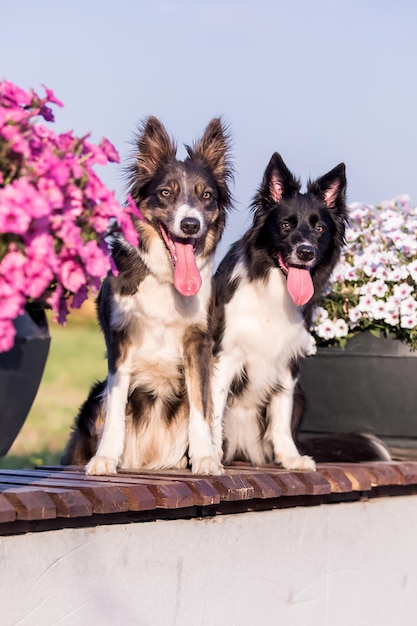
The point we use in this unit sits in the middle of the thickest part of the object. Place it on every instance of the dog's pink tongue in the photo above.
(187, 279)
(299, 285)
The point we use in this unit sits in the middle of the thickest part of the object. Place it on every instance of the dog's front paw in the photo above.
(299, 463)
(101, 465)
(207, 465)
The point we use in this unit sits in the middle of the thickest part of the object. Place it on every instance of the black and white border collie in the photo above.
(265, 290)
(154, 409)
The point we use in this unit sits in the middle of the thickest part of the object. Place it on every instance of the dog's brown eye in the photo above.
(319, 228)
(165, 193)
(285, 226)
(206, 195)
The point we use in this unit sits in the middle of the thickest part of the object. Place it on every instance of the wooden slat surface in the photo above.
(51, 493)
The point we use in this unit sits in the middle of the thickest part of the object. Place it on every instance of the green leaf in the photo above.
(375, 332)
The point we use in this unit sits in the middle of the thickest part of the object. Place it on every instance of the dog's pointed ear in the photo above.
(278, 182)
(154, 148)
(213, 149)
(331, 187)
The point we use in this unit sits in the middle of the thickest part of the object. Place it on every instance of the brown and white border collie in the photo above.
(154, 409)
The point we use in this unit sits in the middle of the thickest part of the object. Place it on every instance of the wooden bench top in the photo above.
(57, 497)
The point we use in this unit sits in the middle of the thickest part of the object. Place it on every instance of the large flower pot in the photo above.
(21, 370)
(370, 386)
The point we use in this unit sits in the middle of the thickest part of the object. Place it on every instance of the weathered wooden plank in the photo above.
(358, 476)
(315, 483)
(30, 503)
(382, 474)
(69, 502)
(264, 486)
(103, 497)
(232, 486)
(139, 498)
(289, 482)
(7, 510)
(337, 478)
(408, 471)
(165, 493)
(204, 492)
(138, 495)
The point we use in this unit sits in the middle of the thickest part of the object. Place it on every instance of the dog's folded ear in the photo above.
(213, 150)
(154, 148)
(331, 187)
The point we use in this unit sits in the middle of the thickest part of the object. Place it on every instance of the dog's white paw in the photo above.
(101, 465)
(299, 463)
(207, 465)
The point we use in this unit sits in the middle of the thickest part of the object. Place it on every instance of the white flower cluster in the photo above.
(374, 286)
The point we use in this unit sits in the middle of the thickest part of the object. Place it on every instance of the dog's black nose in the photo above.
(190, 225)
(305, 252)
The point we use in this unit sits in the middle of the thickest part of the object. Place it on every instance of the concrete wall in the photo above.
(344, 564)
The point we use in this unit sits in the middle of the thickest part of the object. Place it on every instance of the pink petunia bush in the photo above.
(56, 216)
(374, 286)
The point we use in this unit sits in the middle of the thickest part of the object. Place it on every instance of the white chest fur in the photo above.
(264, 328)
(156, 318)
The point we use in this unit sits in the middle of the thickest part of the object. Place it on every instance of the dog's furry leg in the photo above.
(222, 375)
(197, 365)
(279, 429)
(111, 443)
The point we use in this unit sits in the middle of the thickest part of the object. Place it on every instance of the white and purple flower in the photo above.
(374, 285)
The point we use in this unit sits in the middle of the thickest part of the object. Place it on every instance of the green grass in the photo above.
(76, 359)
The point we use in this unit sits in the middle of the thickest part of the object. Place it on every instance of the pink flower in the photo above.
(69, 232)
(133, 209)
(11, 301)
(109, 150)
(47, 113)
(58, 304)
(17, 143)
(12, 94)
(94, 154)
(7, 335)
(54, 210)
(79, 297)
(38, 278)
(12, 269)
(51, 192)
(71, 275)
(60, 172)
(51, 96)
(94, 188)
(129, 231)
(40, 245)
(96, 261)
(74, 200)
(13, 217)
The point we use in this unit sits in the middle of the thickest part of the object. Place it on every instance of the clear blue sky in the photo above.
(320, 81)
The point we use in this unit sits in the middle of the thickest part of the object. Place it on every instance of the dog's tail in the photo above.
(343, 447)
(83, 441)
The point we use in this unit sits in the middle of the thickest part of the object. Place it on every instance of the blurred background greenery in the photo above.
(76, 359)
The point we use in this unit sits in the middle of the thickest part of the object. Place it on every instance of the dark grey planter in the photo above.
(370, 386)
(21, 370)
